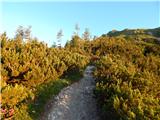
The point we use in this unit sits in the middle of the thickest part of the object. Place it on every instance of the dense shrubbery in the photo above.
(27, 65)
(128, 79)
(127, 71)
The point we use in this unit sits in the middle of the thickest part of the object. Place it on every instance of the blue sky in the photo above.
(47, 18)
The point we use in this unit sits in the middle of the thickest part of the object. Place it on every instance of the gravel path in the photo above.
(75, 102)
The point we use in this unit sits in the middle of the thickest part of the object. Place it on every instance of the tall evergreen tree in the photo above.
(23, 33)
(86, 35)
(77, 28)
(59, 37)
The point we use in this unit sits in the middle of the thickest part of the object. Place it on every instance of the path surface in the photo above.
(75, 102)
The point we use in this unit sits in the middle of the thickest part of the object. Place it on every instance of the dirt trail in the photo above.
(75, 102)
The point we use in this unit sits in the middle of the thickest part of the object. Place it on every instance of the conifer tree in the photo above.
(77, 28)
(23, 33)
(59, 37)
(86, 35)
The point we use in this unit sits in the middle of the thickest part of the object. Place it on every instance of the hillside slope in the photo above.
(152, 32)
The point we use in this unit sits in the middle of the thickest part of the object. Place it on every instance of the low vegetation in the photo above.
(31, 71)
(128, 78)
(127, 73)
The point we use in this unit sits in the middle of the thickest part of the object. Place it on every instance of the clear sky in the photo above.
(47, 18)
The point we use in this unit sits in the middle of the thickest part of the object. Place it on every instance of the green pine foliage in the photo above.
(26, 65)
(128, 78)
(127, 73)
